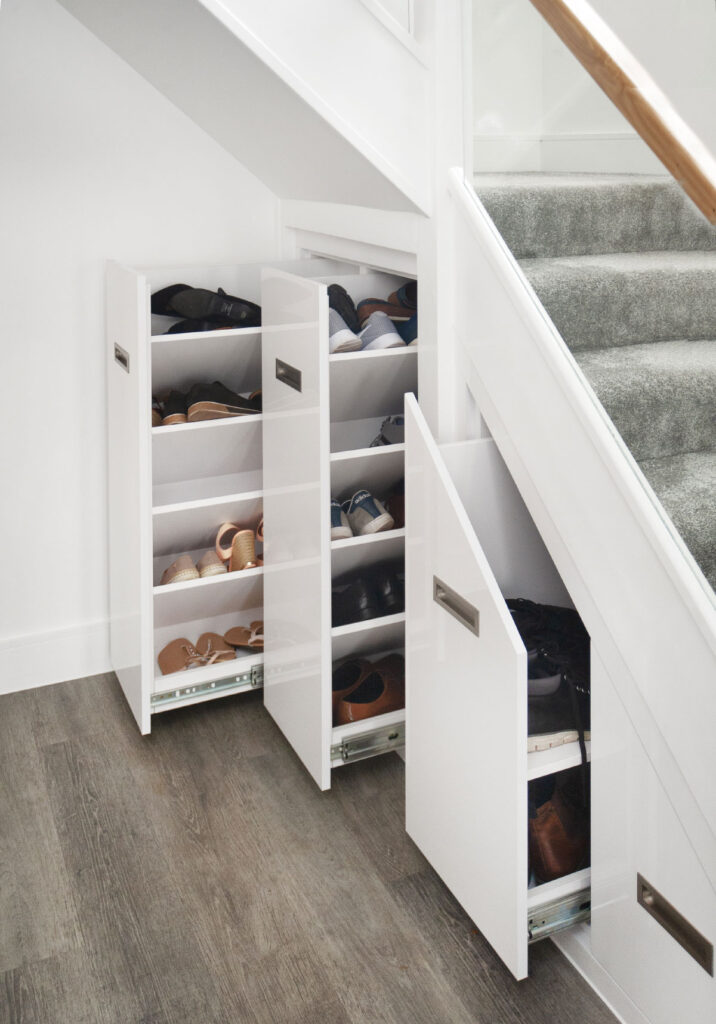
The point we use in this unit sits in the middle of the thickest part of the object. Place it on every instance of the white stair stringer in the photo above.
(321, 101)
(648, 608)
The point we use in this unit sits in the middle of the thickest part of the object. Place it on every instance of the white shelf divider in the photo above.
(355, 552)
(556, 759)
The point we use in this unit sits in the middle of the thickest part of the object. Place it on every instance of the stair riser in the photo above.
(603, 307)
(571, 220)
(661, 398)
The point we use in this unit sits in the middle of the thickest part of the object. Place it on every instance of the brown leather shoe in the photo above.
(558, 837)
(347, 675)
(381, 690)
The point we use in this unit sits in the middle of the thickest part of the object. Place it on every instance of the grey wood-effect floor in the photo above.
(199, 876)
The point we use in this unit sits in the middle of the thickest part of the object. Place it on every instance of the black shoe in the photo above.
(354, 601)
(388, 581)
(558, 718)
(214, 401)
(174, 409)
(340, 300)
(201, 304)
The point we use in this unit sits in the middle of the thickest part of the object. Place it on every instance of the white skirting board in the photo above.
(575, 945)
(39, 659)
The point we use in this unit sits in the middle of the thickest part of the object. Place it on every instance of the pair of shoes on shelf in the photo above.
(363, 689)
(558, 674)
(392, 431)
(401, 307)
(183, 569)
(374, 324)
(180, 654)
(378, 332)
(204, 402)
(369, 593)
(236, 545)
(204, 310)
(360, 515)
(558, 825)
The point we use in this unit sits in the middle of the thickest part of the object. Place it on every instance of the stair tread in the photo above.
(543, 215)
(685, 485)
(638, 385)
(610, 299)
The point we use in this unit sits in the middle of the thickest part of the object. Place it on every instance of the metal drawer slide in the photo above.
(249, 680)
(558, 914)
(369, 744)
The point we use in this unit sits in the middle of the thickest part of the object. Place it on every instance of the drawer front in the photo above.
(466, 791)
(639, 845)
(296, 473)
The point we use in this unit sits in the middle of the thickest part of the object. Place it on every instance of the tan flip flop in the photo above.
(243, 551)
(247, 636)
(180, 571)
(179, 655)
(210, 565)
(213, 647)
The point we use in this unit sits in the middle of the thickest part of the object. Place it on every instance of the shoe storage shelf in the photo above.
(466, 733)
(171, 487)
(321, 413)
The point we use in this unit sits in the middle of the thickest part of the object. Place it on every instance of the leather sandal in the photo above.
(179, 655)
(243, 551)
(213, 647)
(246, 636)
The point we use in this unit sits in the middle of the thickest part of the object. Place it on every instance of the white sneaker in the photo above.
(380, 332)
(366, 514)
(340, 337)
(340, 527)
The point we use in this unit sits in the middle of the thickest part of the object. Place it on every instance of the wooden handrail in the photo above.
(633, 91)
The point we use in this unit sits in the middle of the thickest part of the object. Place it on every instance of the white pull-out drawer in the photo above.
(466, 729)
(660, 953)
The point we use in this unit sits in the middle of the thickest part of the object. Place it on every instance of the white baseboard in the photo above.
(575, 945)
(40, 659)
(585, 152)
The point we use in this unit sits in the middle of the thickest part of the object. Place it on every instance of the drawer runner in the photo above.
(251, 679)
(369, 743)
(558, 914)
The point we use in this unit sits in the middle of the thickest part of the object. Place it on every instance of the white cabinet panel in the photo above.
(466, 710)
(296, 474)
(636, 830)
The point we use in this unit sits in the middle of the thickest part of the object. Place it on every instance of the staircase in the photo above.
(626, 268)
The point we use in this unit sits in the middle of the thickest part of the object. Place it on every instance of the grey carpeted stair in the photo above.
(626, 268)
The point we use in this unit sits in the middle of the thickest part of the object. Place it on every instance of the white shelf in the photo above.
(203, 601)
(238, 332)
(559, 889)
(222, 423)
(556, 759)
(364, 385)
(188, 526)
(355, 552)
(351, 729)
(227, 356)
(376, 469)
(376, 635)
(221, 579)
(204, 491)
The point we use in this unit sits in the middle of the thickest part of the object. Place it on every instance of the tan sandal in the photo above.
(224, 540)
(213, 647)
(210, 565)
(246, 636)
(243, 551)
(180, 571)
(179, 655)
(260, 530)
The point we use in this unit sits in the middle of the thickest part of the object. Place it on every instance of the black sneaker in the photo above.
(557, 718)
(192, 326)
(174, 409)
(214, 401)
(340, 300)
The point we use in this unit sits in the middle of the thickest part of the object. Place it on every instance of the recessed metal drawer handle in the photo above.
(465, 613)
(121, 356)
(288, 374)
(695, 944)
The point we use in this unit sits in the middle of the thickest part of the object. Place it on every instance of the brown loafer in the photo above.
(381, 690)
(347, 675)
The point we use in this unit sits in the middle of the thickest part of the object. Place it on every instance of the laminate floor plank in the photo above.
(198, 876)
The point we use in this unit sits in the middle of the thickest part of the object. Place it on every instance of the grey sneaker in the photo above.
(380, 332)
(340, 527)
(367, 515)
(340, 337)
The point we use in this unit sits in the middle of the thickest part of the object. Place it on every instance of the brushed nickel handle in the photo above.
(465, 613)
(121, 356)
(665, 914)
(288, 374)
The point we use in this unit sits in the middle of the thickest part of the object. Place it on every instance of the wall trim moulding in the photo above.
(40, 659)
(595, 152)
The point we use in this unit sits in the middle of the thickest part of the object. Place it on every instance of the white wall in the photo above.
(95, 164)
(535, 107)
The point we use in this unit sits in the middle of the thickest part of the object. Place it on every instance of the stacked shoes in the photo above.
(204, 402)
(374, 324)
(369, 593)
(198, 309)
(363, 689)
(234, 550)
